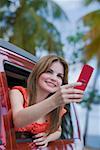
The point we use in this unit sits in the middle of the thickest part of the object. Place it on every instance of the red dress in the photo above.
(35, 127)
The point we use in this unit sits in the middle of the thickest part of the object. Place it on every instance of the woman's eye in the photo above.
(60, 77)
(49, 71)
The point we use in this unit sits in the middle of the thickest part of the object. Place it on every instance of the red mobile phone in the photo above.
(84, 77)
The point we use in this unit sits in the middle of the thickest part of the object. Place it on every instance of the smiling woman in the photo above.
(52, 79)
(23, 119)
(44, 98)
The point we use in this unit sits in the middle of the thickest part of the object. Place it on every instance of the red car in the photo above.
(15, 67)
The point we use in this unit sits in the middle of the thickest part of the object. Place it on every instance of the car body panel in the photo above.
(15, 56)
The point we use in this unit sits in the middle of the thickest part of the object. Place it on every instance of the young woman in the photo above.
(39, 108)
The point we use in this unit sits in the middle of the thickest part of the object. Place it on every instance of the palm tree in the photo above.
(29, 24)
(92, 20)
(88, 2)
(93, 48)
(90, 49)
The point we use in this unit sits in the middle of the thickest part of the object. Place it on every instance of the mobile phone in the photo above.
(84, 76)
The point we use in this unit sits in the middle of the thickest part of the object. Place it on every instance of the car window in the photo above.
(16, 76)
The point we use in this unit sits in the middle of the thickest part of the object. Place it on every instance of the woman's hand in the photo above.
(41, 140)
(67, 93)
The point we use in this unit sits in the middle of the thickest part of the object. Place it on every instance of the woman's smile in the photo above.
(50, 84)
(51, 80)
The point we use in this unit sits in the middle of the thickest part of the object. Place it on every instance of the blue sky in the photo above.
(75, 8)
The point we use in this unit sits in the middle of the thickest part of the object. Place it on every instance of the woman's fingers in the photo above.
(74, 96)
(76, 100)
(43, 146)
(72, 85)
(69, 100)
(70, 94)
(39, 139)
(40, 135)
(40, 143)
(67, 93)
(71, 90)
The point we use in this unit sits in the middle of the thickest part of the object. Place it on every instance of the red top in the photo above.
(35, 127)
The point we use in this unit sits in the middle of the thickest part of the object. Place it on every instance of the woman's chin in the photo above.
(51, 90)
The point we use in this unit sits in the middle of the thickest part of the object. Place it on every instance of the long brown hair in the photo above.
(42, 65)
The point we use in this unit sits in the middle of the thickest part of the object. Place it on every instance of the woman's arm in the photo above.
(24, 116)
(54, 136)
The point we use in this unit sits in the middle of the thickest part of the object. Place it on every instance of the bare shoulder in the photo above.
(15, 92)
(16, 99)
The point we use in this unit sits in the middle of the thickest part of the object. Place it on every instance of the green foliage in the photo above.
(74, 39)
(88, 2)
(91, 97)
(85, 51)
(92, 20)
(92, 48)
(26, 24)
(76, 42)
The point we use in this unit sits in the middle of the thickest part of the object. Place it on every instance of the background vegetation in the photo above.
(30, 24)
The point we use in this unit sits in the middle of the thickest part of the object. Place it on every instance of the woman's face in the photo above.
(52, 79)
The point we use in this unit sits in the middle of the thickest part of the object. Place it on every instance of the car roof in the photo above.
(17, 50)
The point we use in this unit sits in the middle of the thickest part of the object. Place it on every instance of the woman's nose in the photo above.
(54, 77)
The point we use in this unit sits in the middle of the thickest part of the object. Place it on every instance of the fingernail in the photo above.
(80, 83)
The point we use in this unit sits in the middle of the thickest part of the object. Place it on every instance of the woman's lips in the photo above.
(50, 83)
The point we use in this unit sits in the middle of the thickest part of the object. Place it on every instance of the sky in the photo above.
(75, 10)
